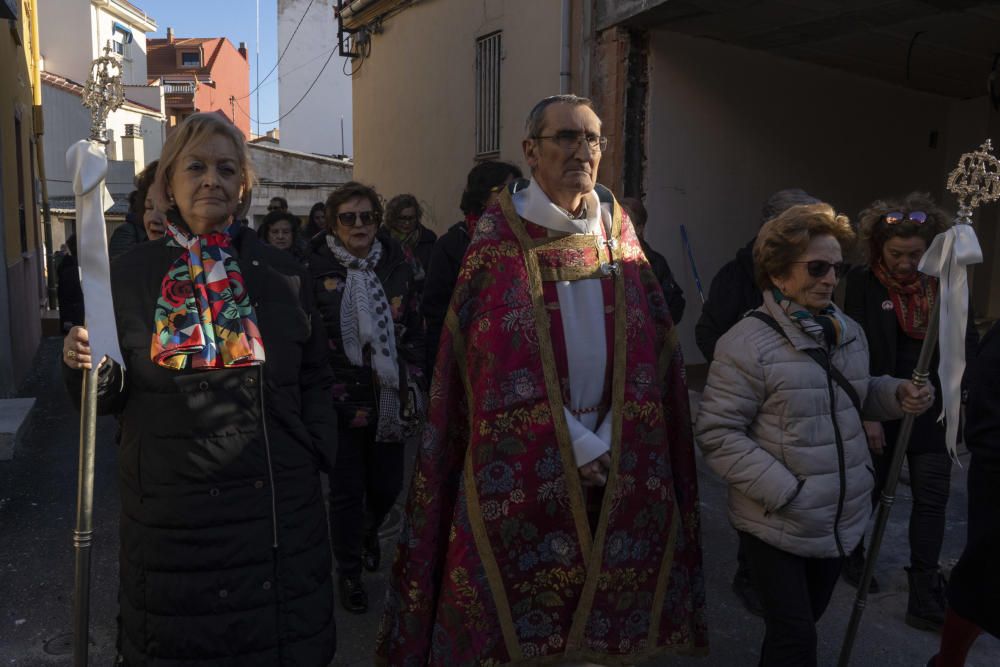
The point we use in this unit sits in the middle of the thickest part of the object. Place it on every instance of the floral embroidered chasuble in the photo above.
(498, 562)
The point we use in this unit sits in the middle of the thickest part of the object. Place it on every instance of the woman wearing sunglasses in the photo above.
(892, 302)
(367, 296)
(781, 422)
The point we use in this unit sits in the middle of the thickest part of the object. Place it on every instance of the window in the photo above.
(488, 58)
(121, 40)
(190, 59)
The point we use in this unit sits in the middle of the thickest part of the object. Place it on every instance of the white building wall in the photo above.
(726, 127)
(314, 125)
(64, 46)
(66, 122)
(300, 178)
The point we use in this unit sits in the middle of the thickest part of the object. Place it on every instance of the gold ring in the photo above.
(71, 354)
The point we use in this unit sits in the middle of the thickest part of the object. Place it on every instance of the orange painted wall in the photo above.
(231, 75)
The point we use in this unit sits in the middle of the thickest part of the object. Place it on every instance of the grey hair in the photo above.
(533, 125)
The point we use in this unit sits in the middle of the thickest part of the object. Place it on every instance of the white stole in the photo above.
(581, 306)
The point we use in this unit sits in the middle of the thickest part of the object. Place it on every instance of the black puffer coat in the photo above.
(867, 302)
(733, 292)
(225, 558)
(354, 390)
(442, 274)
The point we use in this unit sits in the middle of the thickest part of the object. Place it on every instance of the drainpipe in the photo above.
(564, 66)
(38, 122)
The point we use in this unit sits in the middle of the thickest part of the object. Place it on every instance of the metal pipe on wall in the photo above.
(38, 125)
(564, 61)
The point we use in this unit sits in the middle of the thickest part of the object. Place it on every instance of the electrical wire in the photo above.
(294, 106)
(281, 55)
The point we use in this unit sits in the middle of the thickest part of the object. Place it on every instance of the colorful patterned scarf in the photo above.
(912, 298)
(203, 318)
(827, 328)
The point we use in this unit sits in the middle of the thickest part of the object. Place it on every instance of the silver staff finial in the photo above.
(975, 181)
(103, 92)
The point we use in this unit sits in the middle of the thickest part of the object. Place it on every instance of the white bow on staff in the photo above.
(975, 181)
(88, 163)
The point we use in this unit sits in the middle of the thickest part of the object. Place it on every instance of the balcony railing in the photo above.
(179, 88)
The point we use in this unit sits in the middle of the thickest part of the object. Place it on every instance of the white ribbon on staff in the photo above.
(88, 163)
(950, 254)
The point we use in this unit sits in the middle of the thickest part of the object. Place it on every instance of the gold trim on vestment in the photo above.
(483, 545)
(551, 374)
(570, 273)
(596, 560)
(605, 660)
(663, 580)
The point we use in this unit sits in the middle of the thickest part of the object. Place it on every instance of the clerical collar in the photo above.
(534, 205)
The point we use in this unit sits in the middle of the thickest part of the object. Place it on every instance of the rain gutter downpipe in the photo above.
(38, 123)
(564, 61)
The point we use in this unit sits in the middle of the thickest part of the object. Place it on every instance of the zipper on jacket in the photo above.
(267, 454)
(841, 462)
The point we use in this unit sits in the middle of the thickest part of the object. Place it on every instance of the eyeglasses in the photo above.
(569, 141)
(896, 217)
(818, 268)
(350, 218)
(407, 218)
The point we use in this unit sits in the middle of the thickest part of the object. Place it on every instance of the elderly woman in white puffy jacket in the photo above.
(781, 422)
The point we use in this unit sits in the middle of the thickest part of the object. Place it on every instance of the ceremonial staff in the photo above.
(88, 163)
(975, 181)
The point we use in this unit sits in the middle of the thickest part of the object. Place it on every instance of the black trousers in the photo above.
(794, 592)
(930, 483)
(365, 482)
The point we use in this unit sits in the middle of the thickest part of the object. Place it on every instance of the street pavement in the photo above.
(37, 512)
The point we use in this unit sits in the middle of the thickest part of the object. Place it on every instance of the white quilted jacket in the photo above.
(765, 427)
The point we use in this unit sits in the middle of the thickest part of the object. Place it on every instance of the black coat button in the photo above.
(203, 385)
(214, 493)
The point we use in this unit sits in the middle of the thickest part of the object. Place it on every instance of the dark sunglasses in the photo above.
(896, 217)
(350, 218)
(818, 268)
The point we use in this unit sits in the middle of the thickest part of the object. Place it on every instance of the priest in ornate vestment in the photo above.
(553, 512)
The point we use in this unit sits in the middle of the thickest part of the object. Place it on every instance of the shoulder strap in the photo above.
(817, 355)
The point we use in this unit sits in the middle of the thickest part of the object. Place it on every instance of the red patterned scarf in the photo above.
(912, 298)
(203, 318)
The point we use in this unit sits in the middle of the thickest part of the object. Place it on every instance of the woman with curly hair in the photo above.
(892, 302)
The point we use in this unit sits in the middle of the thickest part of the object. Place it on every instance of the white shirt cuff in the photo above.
(588, 445)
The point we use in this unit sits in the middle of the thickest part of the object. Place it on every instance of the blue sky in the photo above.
(235, 19)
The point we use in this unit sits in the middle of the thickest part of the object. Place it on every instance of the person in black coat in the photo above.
(403, 222)
(974, 586)
(280, 229)
(225, 557)
(733, 291)
(482, 185)
(69, 291)
(367, 296)
(892, 302)
(672, 292)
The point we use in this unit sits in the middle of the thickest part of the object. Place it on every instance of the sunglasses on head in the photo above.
(818, 268)
(896, 217)
(350, 218)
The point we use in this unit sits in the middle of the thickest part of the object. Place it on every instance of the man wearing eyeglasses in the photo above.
(554, 506)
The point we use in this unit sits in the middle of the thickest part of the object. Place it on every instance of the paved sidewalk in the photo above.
(37, 509)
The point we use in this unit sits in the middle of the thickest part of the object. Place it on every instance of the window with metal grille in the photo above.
(488, 56)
